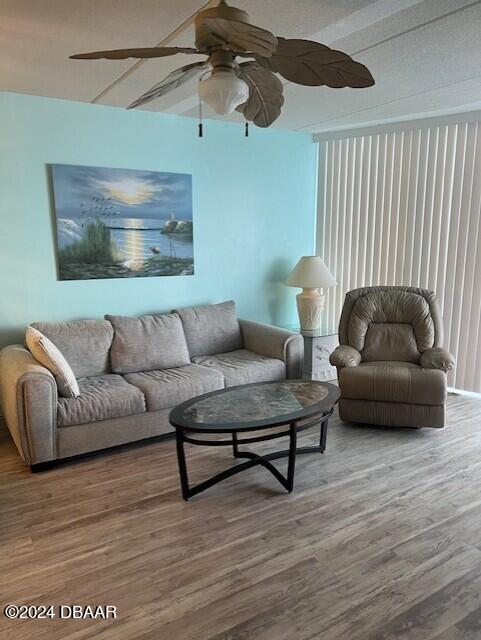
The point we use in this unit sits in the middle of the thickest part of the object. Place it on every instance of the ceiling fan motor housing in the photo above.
(204, 39)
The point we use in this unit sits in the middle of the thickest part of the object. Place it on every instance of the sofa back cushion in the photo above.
(148, 343)
(85, 344)
(211, 329)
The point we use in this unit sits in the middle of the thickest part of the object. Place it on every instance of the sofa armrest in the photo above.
(437, 358)
(28, 395)
(274, 342)
(345, 356)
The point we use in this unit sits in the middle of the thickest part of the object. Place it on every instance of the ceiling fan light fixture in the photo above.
(223, 91)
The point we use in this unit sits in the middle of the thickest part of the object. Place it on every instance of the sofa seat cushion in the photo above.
(403, 382)
(101, 398)
(165, 388)
(243, 367)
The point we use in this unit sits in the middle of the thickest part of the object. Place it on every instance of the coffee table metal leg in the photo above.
(235, 446)
(184, 479)
(291, 464)
(322, 442)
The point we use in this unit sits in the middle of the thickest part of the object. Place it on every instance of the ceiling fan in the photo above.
(224, 34)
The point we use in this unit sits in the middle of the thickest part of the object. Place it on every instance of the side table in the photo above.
(318, 346)
(317, 350)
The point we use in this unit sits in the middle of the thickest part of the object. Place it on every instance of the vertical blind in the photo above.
(404, 207)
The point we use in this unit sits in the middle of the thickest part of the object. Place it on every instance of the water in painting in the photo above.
(121, 223)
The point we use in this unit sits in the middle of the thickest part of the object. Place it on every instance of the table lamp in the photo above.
(312, 275)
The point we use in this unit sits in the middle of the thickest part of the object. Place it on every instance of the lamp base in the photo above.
(310, 304)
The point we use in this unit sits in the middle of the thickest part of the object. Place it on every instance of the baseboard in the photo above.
(460, 392)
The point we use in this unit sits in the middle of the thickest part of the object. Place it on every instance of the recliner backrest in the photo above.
(390, 323)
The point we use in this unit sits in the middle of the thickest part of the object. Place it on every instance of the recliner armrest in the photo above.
(28, 395)
(345, 356)
(274, 342)
(437, 358)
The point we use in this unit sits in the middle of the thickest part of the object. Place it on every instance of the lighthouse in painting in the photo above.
(178, 228)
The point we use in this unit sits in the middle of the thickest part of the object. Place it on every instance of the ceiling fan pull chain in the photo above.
(201, 125)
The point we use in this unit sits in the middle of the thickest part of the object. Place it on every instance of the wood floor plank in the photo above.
(439, 611)
(466, 629)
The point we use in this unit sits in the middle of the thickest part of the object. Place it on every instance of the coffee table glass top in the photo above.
(256, 405)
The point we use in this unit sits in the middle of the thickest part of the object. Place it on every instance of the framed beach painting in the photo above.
(122, 223)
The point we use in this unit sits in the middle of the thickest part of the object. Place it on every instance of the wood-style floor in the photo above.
(381, 539)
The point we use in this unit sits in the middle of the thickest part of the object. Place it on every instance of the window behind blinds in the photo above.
(404, 207)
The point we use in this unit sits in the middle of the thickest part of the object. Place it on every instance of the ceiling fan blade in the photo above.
(241, 36)
(313, 64)
(265, 95)
(172, 81)
(121, 54)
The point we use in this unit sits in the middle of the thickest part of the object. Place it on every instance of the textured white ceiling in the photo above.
(424, 54)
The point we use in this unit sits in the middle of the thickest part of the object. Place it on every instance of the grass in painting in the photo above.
(96, 247)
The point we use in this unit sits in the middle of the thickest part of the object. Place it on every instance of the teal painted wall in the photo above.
(254, 210)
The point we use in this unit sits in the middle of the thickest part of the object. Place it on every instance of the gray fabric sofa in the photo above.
(131, 373)
(391, 365)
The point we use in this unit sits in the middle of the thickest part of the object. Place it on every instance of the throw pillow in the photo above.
(52, 359)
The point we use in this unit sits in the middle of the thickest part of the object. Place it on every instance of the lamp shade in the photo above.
(223, 91)
(311, 273)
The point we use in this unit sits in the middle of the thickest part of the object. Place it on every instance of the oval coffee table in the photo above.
(247, 409)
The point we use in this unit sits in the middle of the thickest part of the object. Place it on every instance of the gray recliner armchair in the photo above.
(391, 365)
